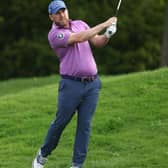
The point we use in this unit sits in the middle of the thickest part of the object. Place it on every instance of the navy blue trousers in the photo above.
(74, 96)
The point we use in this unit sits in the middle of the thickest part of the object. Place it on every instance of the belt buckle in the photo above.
(83, 79)
(87, 78)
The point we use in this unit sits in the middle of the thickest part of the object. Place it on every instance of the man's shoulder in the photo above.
(55, 30)
(80, 23)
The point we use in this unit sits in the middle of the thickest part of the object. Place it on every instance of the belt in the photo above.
(81, 79)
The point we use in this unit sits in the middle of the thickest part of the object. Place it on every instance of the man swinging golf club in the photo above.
(79, 85)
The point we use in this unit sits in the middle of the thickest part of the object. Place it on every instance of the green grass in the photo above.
(129, 129)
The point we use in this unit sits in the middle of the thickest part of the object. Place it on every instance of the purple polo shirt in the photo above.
(76, 59)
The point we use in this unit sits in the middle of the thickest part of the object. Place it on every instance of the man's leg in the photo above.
(68, 100)
(85, 113)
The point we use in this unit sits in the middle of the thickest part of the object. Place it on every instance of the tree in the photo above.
(164, 58)
(24, 25)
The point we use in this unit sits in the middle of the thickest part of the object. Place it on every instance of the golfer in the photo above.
(79, 85)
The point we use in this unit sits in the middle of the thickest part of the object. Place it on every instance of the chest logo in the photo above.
(60, 36)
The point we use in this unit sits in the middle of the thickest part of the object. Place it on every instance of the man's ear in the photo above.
(51, 18)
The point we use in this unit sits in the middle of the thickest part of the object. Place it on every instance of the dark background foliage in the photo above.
(24, 26)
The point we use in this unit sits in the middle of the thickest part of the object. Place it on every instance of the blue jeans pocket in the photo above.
(61, 85)
(100, 83)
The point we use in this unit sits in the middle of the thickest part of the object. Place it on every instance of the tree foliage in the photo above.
(24, 25)
(164, 59)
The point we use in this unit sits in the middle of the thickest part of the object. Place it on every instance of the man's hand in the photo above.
(111, 30)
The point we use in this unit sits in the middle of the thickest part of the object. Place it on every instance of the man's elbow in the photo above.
(98, 44)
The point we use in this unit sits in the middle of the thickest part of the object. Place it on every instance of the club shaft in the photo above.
(118, 7)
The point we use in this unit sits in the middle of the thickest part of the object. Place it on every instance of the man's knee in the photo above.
(84, 126)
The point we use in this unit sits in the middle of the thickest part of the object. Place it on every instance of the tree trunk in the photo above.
(164, 59)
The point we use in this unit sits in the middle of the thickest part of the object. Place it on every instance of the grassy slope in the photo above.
(130, 127)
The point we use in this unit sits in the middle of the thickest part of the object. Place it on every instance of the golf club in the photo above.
(118, 7)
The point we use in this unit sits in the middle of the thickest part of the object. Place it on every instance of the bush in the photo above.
(25, 58)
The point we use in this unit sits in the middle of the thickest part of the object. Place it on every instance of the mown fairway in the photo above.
(129, 130)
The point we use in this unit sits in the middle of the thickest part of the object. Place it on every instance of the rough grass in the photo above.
(129, 129)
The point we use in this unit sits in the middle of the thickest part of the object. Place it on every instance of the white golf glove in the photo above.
(111, 30)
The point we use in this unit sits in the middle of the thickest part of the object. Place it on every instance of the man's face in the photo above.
(61, 18)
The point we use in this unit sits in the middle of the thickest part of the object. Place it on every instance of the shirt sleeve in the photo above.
(58, 39)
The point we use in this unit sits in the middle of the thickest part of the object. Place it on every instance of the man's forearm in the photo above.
(90, 33)
(87, 34)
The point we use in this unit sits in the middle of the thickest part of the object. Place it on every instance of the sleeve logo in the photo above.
(60, 36)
